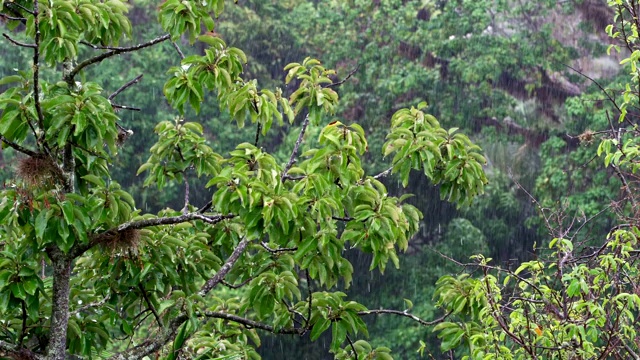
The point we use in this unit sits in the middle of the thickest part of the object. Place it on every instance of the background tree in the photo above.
(578, 298)
(85, 272)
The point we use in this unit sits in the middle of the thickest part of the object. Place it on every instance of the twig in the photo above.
(33, 12)
(538, 205)
(384, 173)
(124, 107)
(91, 152)
(153, 310)
(278, 250)
(405, 314)
(611, 99)
(5, 16)
(353, 348)
(125, 86)
(175, 46)
(23, 331)
(238, 286)
(185, 209)
(308, 278)
(258, 128)
(206, 207)
(89, 306)
(345, 219)
(294, 178)
(345, 79)
(251, 324)
(224, 270)
(626, 186)
(115, 51)
(296, 147)
(18, 43)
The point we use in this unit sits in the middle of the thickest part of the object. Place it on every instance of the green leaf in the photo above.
(307, 246)
(338, 333)
(41, 222)
(10, 79)
(319, 327)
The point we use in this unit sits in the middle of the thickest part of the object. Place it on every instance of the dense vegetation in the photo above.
(266, 189)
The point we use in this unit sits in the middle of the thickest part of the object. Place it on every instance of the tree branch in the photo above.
(345, 79)
(251, 324)
(140, 224)
(113, 52)
(33, 12)
(175, 46)
(15, 352)
(224, 270)
(258, 128)
(185, 209)
(18, 43)
(384, 173)
(353, 348)
(124, 107)
(275, 251)
(5, 16)
(125, 86)
(150, 305)
(89, 306)
(56, 346)
(18, 147)
(405, 314)
(36, 71)
(294, 153)
(150, 346)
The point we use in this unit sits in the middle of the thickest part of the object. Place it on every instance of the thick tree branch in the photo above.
(115, 51)
(11, 351)
(296, 147)
(150, 346)
(36, 71)
(140, 224)
(18, 147)
(224, 270)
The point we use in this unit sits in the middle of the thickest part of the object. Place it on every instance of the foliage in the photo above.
(85, 272)
(578, 298)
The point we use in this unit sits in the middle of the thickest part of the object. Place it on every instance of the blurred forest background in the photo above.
(514, 75)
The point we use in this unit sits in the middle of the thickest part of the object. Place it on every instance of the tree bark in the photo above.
(57, 348)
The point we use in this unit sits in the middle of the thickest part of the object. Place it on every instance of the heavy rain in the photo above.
(326, 179)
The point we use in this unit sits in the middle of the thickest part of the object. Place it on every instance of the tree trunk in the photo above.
(57, 347)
